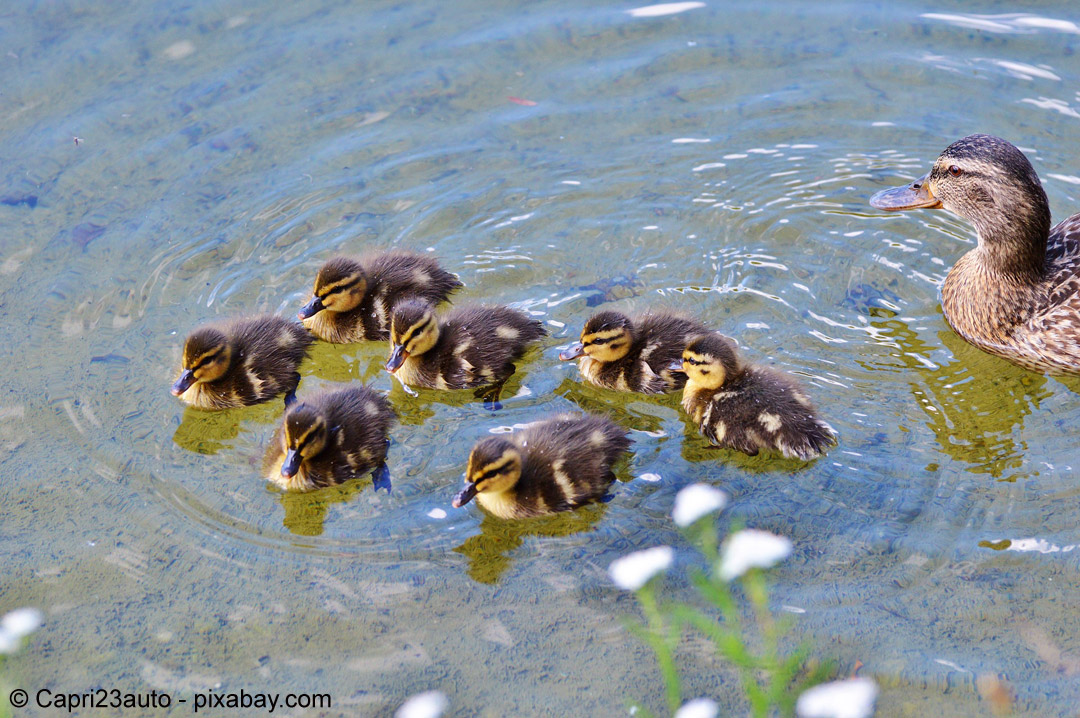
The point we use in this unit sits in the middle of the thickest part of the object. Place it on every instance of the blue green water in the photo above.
(718, 161)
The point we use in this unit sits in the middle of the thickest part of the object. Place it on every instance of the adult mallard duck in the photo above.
(353, 296)
(548, 466)
(626, 354)
(1017, 294)
(241, 362)
(747, 407)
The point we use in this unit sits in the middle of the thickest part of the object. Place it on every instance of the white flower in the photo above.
(853, 698)
(423, 705)
(698, 708)
(668, 8)
(633, 571)
(751, 548)
(16, 625)
(695, 501)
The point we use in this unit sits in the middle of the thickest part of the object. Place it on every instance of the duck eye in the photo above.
(955, 171)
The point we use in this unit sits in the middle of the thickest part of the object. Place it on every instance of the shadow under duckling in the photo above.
(242, 362)
(746, 407)
(353, 296)
(329, 438)
(546, 467)
(468, 347)
(617, 352)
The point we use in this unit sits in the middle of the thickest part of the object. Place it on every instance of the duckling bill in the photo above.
(352, 297)
(749, 408)
(241, 362)
(329, 438)
(1017, 294)
(468, 347)
(617, 352)
(547, 467)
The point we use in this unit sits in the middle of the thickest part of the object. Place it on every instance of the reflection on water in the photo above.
(306, 511)
(208, 432)
(974, 404)
(490, 551)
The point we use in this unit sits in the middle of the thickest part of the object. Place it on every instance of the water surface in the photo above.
(559, 157)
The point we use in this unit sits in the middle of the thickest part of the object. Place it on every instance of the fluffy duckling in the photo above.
(242, 362)
(626, 354)
(329, 438)
(1017, 294)
(549, 466)
(746, 407)
(353, 297)
(473, 346)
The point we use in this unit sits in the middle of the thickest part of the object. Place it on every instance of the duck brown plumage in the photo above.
(352, 297)
(746, 407)
(241, 362)
(1017, 294)
(329, 438)
(548, 466)
(634, 354)
(467, 347)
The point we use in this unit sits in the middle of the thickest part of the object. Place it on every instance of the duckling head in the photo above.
(207, 356)
(339, 287)
(304, 436)
(414, 330)
(709, 360)
(494, 467)
(990, 183)
(607, 337)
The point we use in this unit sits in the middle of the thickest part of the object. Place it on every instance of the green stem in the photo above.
(662, 638)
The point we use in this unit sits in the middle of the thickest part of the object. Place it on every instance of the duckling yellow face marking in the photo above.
(607, 345)
(415, 332)
(703, 370)
(207, 355)
(341, 294)
(304, 436)
(494, 467)
(607, 336)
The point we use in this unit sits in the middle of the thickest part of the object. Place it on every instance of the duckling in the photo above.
(329, 438)
(746, 407)
(353, 296)
(548, 466)
(242, 362)
(1017, 294)
(626, 354)
(473, 346)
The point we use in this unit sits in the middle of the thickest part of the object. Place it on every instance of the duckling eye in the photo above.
(955, 171)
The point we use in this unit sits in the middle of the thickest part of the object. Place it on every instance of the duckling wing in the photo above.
(486, 340)
(766, 410)
(402, 274)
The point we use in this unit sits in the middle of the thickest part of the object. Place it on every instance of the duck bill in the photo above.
(398, 355)
(575, 350)
(311, 308)
(464, 496)
(291, 465)
(183, 383)
(916, 195)
(675, 365)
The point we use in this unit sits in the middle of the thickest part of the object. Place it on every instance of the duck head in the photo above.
(494, 466)
(207, 356)
(990, 183)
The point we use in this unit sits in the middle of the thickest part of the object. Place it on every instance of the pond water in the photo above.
(559, 156)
